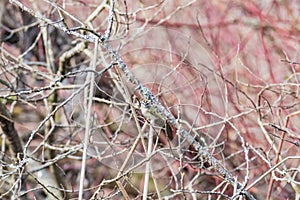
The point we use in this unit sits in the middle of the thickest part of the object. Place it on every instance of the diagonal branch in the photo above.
(154, 106)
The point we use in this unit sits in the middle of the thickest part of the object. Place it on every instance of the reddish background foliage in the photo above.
(227, 68)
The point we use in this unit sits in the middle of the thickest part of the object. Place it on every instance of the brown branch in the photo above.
(9, 130)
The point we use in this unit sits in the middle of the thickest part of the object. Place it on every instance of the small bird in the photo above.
(145, 109)
(151, 112)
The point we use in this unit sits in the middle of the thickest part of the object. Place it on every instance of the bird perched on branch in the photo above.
(150, 112)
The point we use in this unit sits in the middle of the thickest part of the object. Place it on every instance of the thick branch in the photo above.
(155, 107)
(9, 130)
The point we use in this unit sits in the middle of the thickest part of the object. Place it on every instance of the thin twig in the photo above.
(89, 100)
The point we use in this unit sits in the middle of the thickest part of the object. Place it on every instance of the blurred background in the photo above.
(227, 70)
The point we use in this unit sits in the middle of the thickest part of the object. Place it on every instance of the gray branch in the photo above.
(155, 107)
